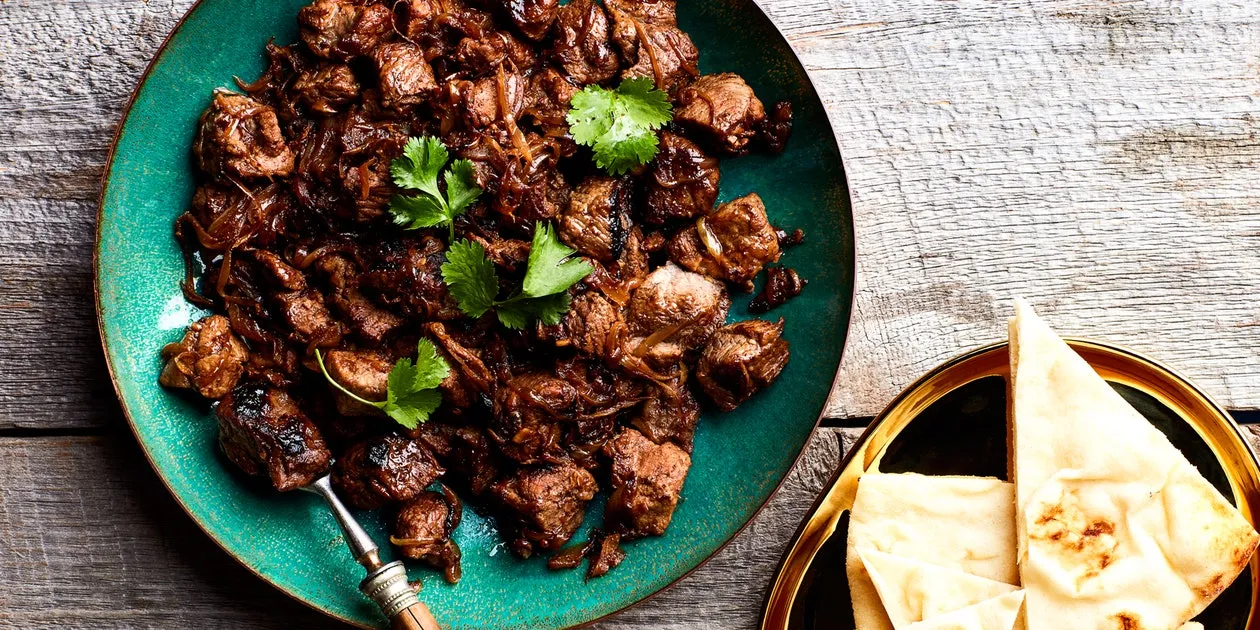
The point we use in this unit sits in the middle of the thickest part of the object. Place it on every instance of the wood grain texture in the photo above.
(90, 539)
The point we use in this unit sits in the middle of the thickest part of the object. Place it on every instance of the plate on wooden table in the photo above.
(290, 540)
(953, 421)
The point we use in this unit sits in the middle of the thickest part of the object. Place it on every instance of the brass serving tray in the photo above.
(953, 421)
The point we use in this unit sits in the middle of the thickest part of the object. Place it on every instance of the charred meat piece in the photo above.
(529, 412)
(342, 29)
(548, 101)
(464, 451)
(209, 359)
(774, 131)
(326, 87)
(595, 326)
(405, 76)
(309, 317)
(582, 46)
(423, 528)
(721, 109)
(239, 137)
(371, 322)
(683, 182)
(669, 414)
(782, 284)
(532, 18)
(647, 479)
(597, 220)
(740, 360)
(363, 372)
(543, 505)
(603, 394)
(280, 273)
(732, 244)
(651, 43)
(406, 275)
(674, 311)
(263, 432)
(492, 99)
(384, 469)
(483, 55)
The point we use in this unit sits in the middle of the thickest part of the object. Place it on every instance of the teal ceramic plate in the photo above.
(290, 540)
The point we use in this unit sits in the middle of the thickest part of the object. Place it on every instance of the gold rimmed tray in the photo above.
(952, 421)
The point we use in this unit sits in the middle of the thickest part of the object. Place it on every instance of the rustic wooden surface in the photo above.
(1098, 157)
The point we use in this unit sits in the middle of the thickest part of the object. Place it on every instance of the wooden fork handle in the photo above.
(414, 617)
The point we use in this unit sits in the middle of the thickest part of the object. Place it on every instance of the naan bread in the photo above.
(913, 590)
(963, 523)
(999, 613)
(1116, 529)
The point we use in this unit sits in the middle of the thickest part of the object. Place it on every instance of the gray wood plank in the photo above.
(89, 538)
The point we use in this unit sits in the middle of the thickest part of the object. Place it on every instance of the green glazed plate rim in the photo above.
(849, 260)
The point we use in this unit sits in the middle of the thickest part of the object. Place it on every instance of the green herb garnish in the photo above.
(413, 386)
(620, 125)
(422, 161)
(543, 295)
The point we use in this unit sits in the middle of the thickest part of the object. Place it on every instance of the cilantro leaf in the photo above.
(619, 125)
(412, 393)
(461, 187)
(550, 269)
(418, 169)
(417, 212)
(519, 312)
(515, 315)
(470, 277)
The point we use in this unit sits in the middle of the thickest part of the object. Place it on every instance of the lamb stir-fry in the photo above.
(472, 251)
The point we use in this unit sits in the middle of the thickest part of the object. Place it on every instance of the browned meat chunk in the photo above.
(548, 101)
(384, 469)
(309, 318)
(470, 380)
(651, 43)
(492, 99)
(368, 320)
(532, 18)
(209, 359)
(737, 241)
(723, 110)
(341, 29)
(326, 87)
(405, 76)
(279, 272)
(740, 360)
(464, 451)
(482, 55)
(582, 45)
(239, 137)
(406, 275)
(263, 432)
(670, 414)
(674, 311)
(423, 528)
(595, 326)
(363, 372)
(683, 183)
(647, 479)
(543, 505)
(597, 220)
(529, 412)
(782, 284)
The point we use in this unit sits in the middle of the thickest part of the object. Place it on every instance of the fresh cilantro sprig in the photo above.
(418, 169)
(620, 125)
(543, 295)
(413, 386)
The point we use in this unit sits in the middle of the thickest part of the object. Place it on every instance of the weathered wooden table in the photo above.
(1096, 156)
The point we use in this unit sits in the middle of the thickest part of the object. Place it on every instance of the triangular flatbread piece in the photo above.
(963, 523)
(1116, 528)
(999, 613)
(913, 590)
